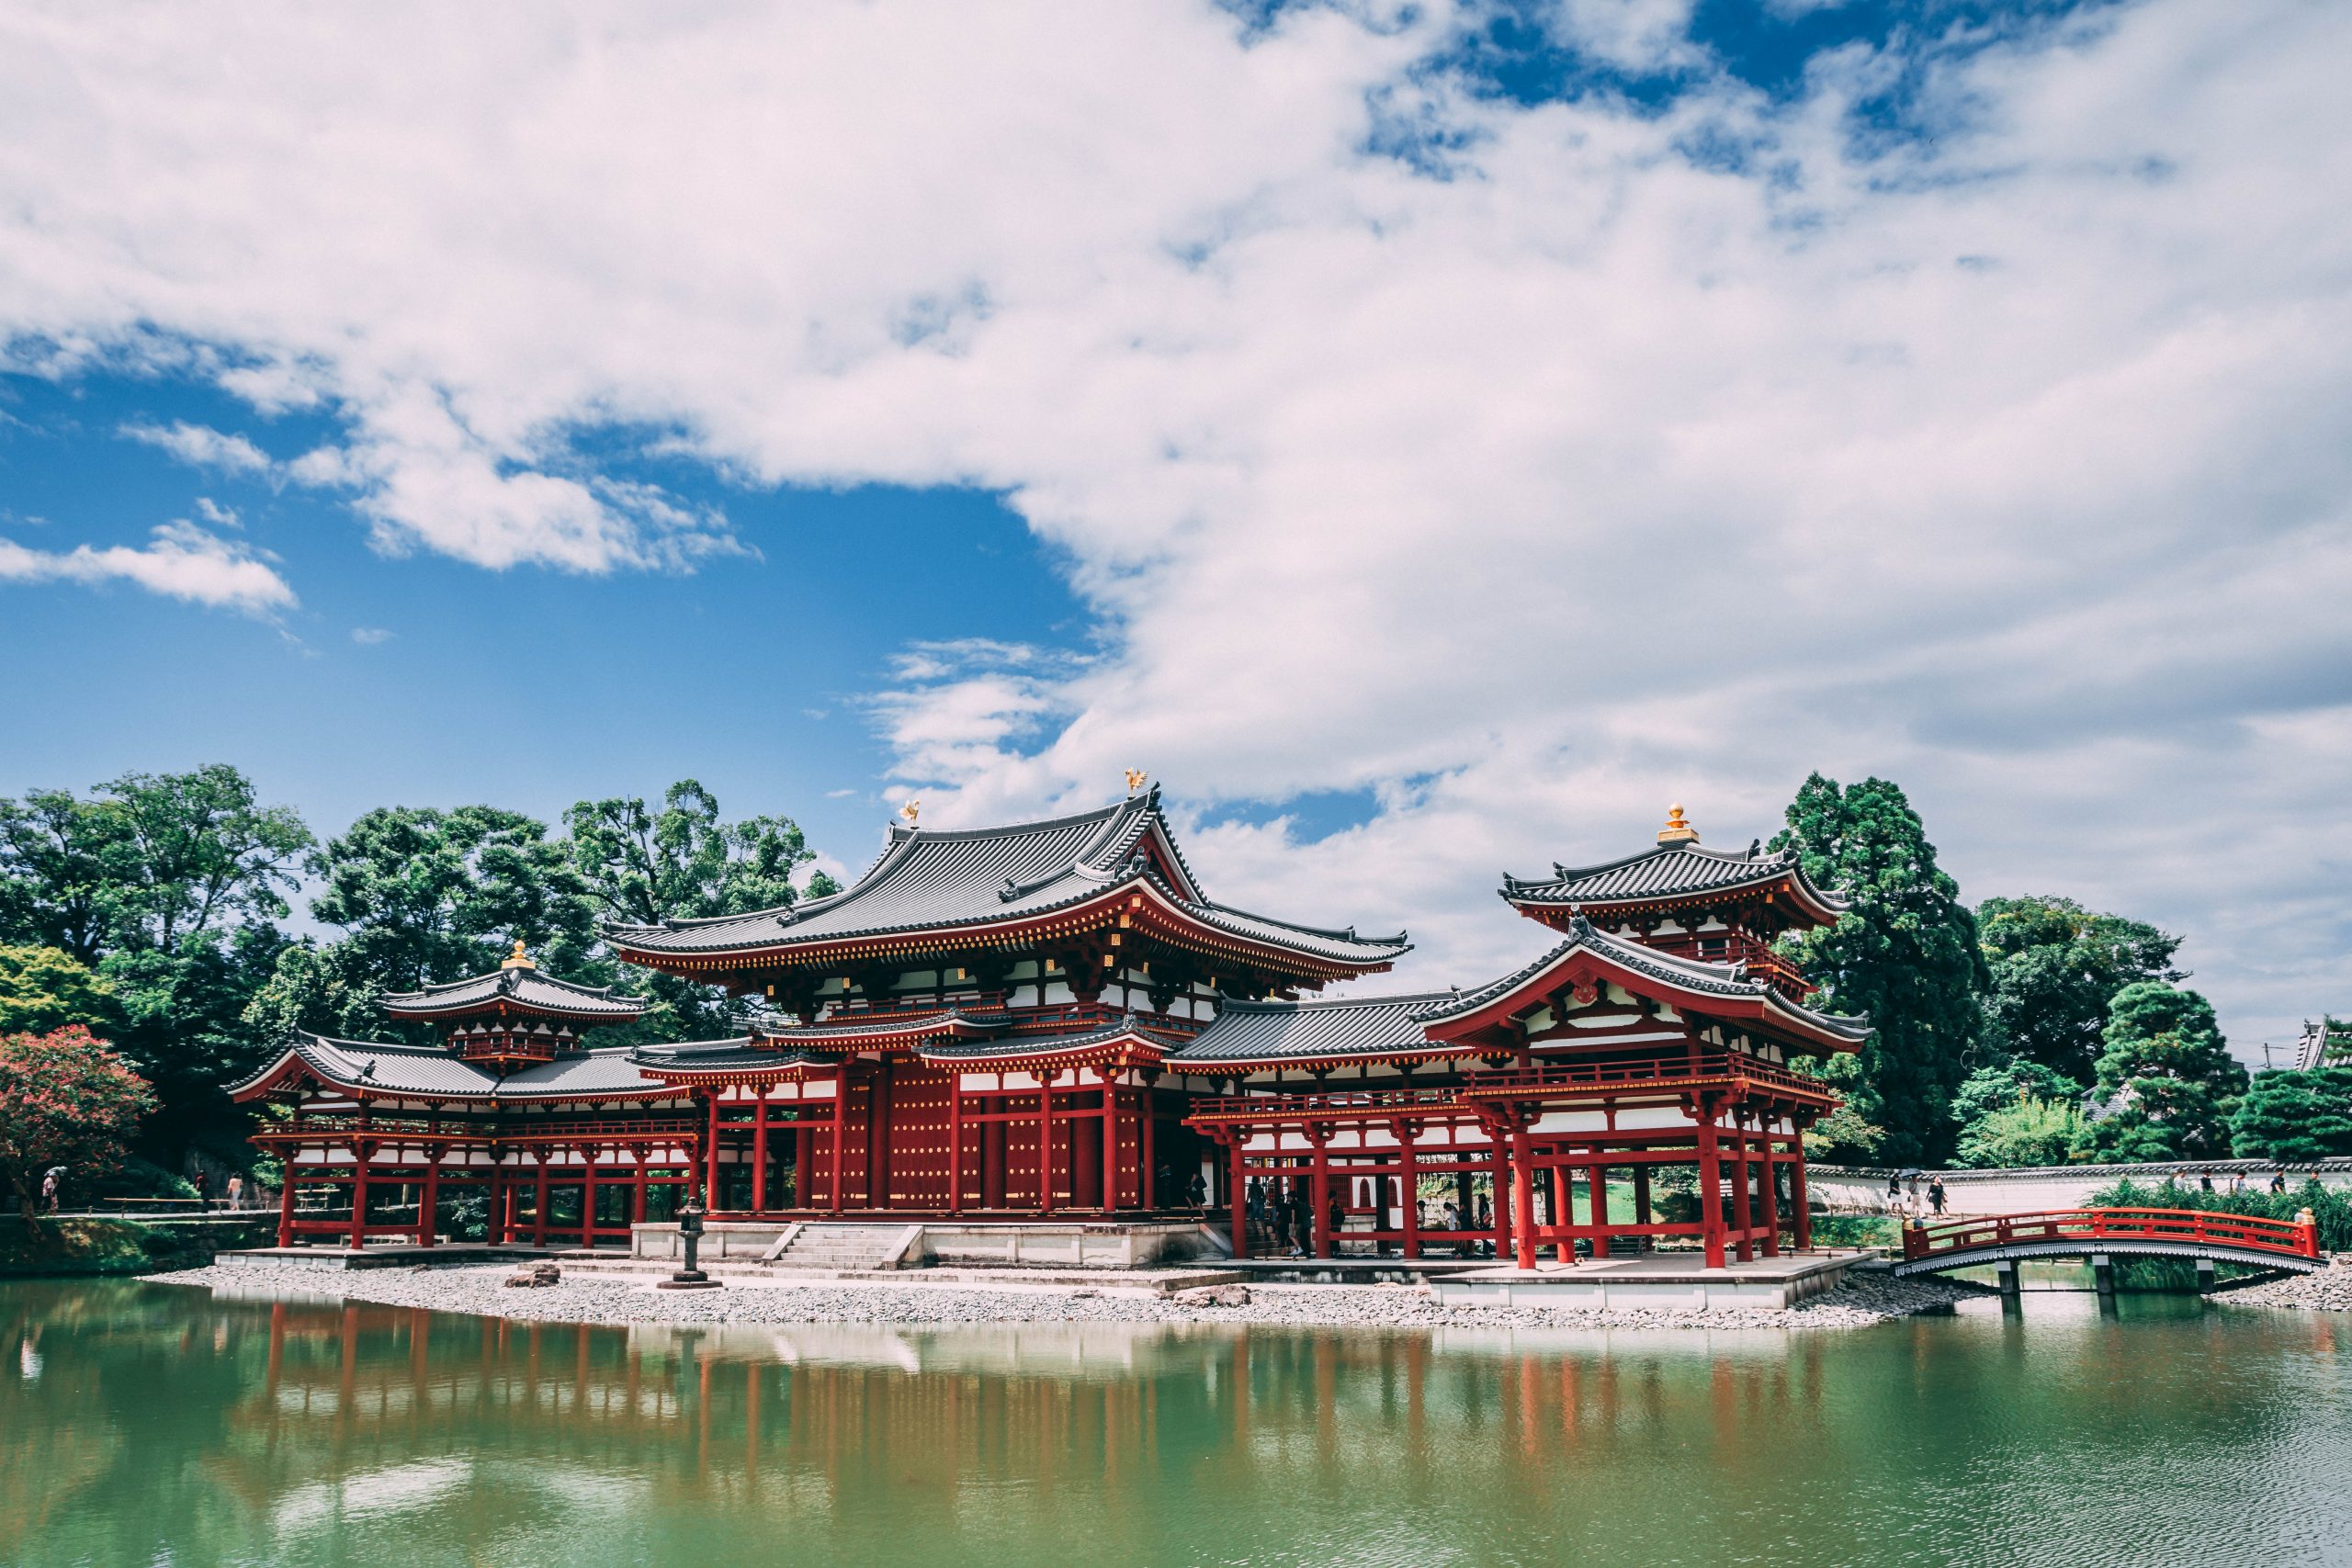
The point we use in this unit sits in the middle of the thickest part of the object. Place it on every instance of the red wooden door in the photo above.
(915, 1123)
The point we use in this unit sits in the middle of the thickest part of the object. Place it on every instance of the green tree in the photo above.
(1905, 954)
(2027, 1132)
(1988, 1089)
(168, 885)
(2295, 1117)
(425, 895)
(45, 988)
(684, 862)
(2055, 966)
(65, 1100)
(2168, 1075)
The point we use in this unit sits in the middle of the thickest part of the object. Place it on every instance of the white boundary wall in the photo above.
(1863, 1190)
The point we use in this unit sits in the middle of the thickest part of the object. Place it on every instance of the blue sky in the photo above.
(1430, 438)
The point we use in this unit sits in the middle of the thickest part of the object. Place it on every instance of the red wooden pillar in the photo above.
(1241, 1184)
(286, 1199)
(955, 1140)
(1522, 1198)
(710, 1157)
(1110, 1141)
(1498, 1164)
(588, 1195)
(1148, 1194)
(841, 1126)
(1599, 1183)
(1044, 1140)
(760, 1152)
(1743, 1222)
(359, 1196)
(1409, 1186)
(1771, 1188)
(429, 1200)
(1711, 1186)
(1562, 1191)
(1800, 1214)
(637, 1191)
(1318, 1189)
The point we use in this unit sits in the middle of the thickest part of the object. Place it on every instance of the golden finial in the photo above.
(1134, 779)
(911, 810)
(518, 959)
(1677, 830)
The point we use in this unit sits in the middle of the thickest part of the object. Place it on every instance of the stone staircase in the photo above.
(844, 1248)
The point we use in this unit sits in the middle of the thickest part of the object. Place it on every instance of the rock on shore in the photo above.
(2330, 1290)
(581, 1298)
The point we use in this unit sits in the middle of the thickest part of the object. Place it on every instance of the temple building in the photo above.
(1053, 1019)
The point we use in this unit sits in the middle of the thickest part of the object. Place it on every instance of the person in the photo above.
(1196, 1191)
(1256, 1208)
(2205, 1182)
(2237, 1182)
(1895, 1194)
(1485, 1222)
(1302, 1221)
(48, 1191)
(2278, 1183)
(203, 1190)
(236, 1190)
(1936, 1193)
(1338, 1217)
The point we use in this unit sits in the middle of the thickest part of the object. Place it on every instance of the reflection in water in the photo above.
(157, 1423)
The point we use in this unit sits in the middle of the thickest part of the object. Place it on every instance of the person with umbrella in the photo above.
(52, 1181)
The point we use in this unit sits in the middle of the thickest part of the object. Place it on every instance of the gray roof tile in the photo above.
(1339, 1026)
(527, 990)
(1668, 870)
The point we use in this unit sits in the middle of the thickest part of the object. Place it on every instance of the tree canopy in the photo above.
(1905, 954)
(2168, 1077)
(2055, 967)
(45, 988)
(2295, 1117)
(65, 1100)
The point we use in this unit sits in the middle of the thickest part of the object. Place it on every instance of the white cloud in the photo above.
(368, 637)
(202, 447)
(1654, 454)
(183, 562)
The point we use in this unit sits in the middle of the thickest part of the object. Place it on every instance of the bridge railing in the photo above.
(2295, 1238)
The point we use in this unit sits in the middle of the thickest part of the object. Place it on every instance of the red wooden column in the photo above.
(1800, 1214)
(841, 1126)
(955, 1139)
(1044, 1140)
(359, 1196)
(1110, 1140)
(1318, 1189)
(1522, 1198)
(1409, 1184)
(587, 1195)
(1240, 1195)
(1711, 1188)
(285, 1199)
(1770, 1190)
(640, 1153)
(760, 1152)
(1147, 1192)
(429, 1200)
(1743, 1220)
(710, 1157)
(1598, 1182)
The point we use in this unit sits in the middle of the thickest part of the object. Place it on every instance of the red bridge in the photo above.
(2289, 1245)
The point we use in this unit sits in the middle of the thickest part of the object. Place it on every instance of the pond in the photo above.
(160, 1424)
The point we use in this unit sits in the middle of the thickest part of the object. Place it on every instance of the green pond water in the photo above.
(157, 1424)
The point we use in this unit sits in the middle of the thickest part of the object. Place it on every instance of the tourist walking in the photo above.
(236, 1190)
(48, 1188)
(1895, 1194)
(1338, 1218)
(1936, 1193)
(2205, 1182)
(2278, 1184)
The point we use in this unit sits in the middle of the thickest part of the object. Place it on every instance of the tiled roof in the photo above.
(721, 1055)
(522, 989)
(1045, 1044)
(853, 1026)
(1668, 871)
(428, 1072)
(929, 880)
(1688, 973)
(607, 1072)
(1340, 1026)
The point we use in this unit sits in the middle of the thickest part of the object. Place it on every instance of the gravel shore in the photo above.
(586, 1298)
(2330, 1290)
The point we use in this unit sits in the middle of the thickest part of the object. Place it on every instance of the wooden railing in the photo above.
(2292, 1238)
(1367, 1104)
(664, 1129)
(1571, 1074)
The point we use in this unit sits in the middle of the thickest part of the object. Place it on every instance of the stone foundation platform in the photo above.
(1668, 1282)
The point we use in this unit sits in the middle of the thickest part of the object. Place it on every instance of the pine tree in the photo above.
(1905, 954)
(2168, 1077)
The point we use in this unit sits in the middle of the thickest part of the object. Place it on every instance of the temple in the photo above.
(1053, 1019)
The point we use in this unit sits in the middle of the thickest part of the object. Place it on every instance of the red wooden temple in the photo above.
(1052, 1019)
